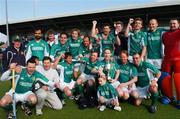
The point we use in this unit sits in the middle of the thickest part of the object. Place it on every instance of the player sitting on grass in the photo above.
(67, 72)
(46, 95)
(88, 77)
(107, 95)
(26, 78)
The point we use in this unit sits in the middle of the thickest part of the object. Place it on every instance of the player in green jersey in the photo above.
(85, 48)
(109, 68)
(94, 37)
(148, 76)
(75, 42)
(52, 39)
(155, 48)
(137, 39)
(107, 40)
(88, 77)
(107, 95)
(37, 47)
(59, 49)
(26, 78)
(68, 74)
(127, 78)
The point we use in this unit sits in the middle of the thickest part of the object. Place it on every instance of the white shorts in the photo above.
(70, 85)
(109, 101)
(22, 97)
(115, 84)
(143, 92)
(129, 89)
(86, 77)
(155, 62)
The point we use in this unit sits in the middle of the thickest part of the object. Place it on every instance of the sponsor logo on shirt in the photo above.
(37, 48)
(75, 45)
(69, 72)
(25, 84)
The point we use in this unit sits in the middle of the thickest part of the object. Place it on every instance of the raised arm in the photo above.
(93, 30)
(131, 20)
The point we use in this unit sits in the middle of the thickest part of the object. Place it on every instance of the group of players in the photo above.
(97, 70)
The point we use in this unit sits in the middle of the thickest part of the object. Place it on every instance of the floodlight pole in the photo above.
(7, 26)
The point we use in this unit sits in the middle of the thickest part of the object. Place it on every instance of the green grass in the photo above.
(71, 111)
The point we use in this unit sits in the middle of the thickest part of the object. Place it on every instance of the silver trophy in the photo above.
(108, 67)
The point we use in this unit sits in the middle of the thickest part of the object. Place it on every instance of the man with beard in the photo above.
(37, 47)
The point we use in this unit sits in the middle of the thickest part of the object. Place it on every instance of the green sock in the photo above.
(154, 98)
(8, 107)
(80, 90)
(91, 90)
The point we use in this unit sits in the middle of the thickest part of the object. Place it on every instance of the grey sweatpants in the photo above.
(49, 99)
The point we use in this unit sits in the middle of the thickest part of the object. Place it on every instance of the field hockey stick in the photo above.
(13, 94)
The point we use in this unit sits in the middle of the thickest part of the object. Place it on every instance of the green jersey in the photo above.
(136, 41)
(127, 72)
(95, 45)
(113, 68)
(89, 65)
(85, 51)
(25, 81)
(107, 91)
(154, 44)
(58, 49)
(74, 46)
(37, 48)
(107, 43)
(145, 71)
(67, 70)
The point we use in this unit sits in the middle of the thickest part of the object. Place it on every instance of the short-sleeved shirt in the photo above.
(85, 51)
(154, 44)
(95, 45)
(113, 68)
(107, 43)
(25, 81)
(74, 46)
(127, 72)
(145, 69)
(89, 65)
(37, 48)
(59, 49)
(107, 91)
(136, 42)
(68, 71)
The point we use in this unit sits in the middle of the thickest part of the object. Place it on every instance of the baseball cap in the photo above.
(16, 38)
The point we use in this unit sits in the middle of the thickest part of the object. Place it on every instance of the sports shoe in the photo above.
(118, 108)
(71, 97)
(10, 115)
(39, 112)
(102, 108)
(165, 100)
(153, 109)
(26, 109)
(77, 97)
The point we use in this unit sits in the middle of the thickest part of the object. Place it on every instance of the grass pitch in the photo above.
(71, 111)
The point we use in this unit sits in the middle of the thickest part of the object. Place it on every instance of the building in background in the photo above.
(162, 11)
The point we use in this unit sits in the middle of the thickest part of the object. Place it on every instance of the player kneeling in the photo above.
(148, 76)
